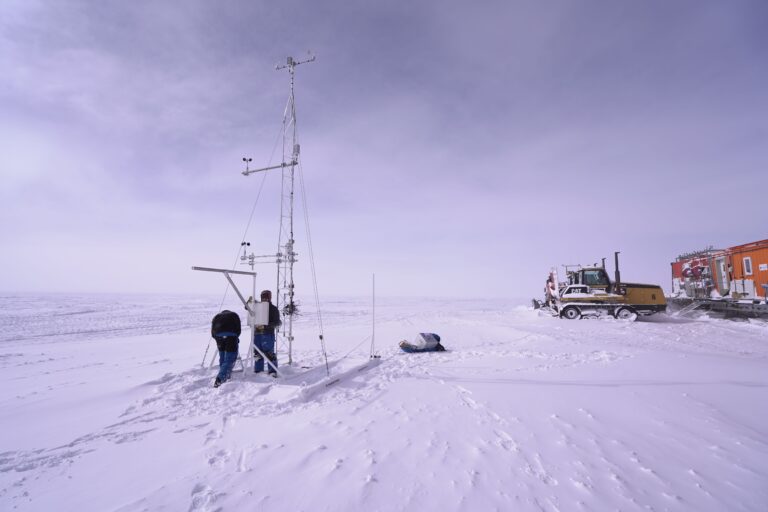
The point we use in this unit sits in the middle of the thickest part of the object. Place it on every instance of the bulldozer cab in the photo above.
(594, 277)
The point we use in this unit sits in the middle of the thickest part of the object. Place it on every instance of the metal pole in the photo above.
(373, 301)
(286, 256)
(291, 258)
(266, 360)
(251, 345)
(289, 244)
(205, 356)
(229, 278)
(289, 255)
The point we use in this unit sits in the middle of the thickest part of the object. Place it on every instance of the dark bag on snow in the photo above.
(225, 329)
(424, 342)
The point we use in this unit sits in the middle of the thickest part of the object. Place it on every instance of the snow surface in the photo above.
(105, 406)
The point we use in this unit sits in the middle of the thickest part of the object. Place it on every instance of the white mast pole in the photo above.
(373, 308)
(287, 258)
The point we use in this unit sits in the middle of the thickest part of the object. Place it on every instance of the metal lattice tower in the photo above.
(286, 254)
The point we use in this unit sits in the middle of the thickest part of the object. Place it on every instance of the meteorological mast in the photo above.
(286, 254)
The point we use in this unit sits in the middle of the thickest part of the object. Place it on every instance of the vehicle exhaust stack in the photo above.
(618, 274)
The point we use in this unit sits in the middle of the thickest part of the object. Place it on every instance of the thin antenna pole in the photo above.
(373, 309)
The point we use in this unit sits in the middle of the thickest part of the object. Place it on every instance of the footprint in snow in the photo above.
(213, 435)
(203, 497)
(557, 419)
(127, 437)
(219, 459)
(506, 441)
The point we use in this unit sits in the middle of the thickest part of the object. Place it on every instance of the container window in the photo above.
(748, 266)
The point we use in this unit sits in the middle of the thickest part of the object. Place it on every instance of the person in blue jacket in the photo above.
(225, 329)
(264, 338)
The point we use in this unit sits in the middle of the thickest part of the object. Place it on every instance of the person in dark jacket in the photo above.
(264, 337)
(225, 329)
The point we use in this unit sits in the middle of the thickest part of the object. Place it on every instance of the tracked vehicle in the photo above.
(590, 292)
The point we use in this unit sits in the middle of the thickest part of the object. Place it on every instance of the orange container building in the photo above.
(749, 269)
(739, 272)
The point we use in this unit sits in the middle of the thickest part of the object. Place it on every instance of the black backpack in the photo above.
(225, 324)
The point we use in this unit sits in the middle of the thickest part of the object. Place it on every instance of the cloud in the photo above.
(443, 144)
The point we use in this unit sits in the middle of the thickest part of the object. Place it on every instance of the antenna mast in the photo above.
(286, 255)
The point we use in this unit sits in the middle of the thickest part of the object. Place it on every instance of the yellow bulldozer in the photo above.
(589, 291)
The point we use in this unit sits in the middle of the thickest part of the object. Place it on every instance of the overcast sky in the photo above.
(453, 148)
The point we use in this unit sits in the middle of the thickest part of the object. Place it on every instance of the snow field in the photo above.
(522, 413)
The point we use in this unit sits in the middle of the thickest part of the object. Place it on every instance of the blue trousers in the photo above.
(226, 363)
(266, 343)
